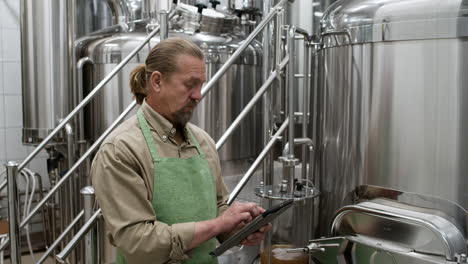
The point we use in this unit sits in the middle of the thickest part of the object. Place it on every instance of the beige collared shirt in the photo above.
(122, 175)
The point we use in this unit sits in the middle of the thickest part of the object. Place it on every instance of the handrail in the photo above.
(250, 105)
(60, 238)
(77, 238)
(72, 170)
(257, 162)
(87, 99)
(242, 47)
(64, 122)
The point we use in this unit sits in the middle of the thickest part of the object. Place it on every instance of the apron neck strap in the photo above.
(195, 142)
(150, 141)
(147, 134)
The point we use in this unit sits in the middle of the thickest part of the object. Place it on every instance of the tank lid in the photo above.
(360, 21)
(380, 220)
(207, 21)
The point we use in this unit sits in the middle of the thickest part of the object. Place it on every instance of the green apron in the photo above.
(184, 191)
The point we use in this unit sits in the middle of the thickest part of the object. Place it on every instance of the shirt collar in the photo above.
(161, 125)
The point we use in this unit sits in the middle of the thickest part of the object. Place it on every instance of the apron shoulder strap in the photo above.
(147, 134)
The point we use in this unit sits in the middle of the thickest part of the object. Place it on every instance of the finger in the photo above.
(261, 209)
(245, 217)
(266, 228)
(252, 208)
(256, 236)
(252, 242)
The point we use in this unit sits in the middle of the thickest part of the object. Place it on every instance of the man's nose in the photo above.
(196, 94)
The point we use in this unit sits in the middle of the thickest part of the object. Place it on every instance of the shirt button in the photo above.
(164, 138)
(173, 131)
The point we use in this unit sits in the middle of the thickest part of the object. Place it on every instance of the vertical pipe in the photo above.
(315, 133)
(291, 79)
(163, 22)
(305, 105)
(278, 59)
(71, 144)
(291, 52)
(280, 51)
(82, 179)
(69, 210)
(266, 100)
(91, 238)
(13, 213)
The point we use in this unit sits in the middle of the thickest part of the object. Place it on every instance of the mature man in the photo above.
(157, 177)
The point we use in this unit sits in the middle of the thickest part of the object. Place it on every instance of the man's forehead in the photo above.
(192, 68)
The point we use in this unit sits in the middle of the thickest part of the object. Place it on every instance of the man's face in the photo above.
(181, 91)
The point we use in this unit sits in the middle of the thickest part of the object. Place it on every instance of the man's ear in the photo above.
(155, 80)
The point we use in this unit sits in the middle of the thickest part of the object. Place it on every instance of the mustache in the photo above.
(193, 103)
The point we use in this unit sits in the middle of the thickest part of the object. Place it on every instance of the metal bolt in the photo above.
(284, 186)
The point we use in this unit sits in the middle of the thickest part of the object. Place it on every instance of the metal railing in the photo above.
(250, 105)
(267, 19)
(14, 169)
(257, 162)
(61, 257)
(59, 239)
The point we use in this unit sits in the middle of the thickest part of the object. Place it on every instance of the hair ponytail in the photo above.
(138, 83)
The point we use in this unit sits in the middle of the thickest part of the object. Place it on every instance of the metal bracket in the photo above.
(461, 258)
(289, 162)
(313, 247)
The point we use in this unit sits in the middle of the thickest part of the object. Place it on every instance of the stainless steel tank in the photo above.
(392, 105)
(47, 42)
(216, 111)
(392, 109)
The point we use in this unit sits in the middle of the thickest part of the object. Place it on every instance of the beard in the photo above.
(182, 116)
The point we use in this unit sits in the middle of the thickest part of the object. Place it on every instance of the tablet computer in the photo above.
(252, 227)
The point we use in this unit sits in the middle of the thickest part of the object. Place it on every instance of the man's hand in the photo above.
(257, 237)
(237, 214)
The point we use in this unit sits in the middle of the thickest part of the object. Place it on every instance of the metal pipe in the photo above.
(3, 185)
(266, 100)
(305, 105)
(241, 48)
(87, 99)
(279, 36)
(309, 177)
(71, 170)
(119, 10)
(291, 52)
(257, 162)
(61, 257)
(70, 188)
(248, 107)
(60, 238)
(80, 161)
(13, 213)
(90, 239)
(163, 23)
(297, 141)
(79, 84)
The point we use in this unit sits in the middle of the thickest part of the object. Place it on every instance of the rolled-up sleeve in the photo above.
(122, 194)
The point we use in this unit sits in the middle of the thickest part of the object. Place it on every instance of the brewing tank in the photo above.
(48, 62)
(216, 37)
(392, 102)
